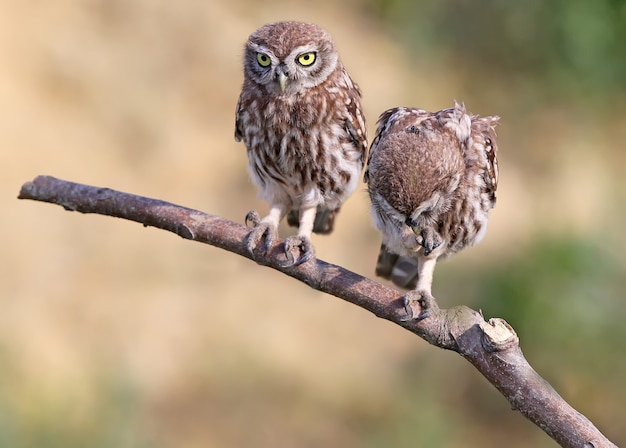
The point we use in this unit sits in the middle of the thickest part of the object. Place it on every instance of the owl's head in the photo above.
(289, 57)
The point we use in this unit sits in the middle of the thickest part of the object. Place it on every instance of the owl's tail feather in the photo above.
(324, 220)
(402, 271)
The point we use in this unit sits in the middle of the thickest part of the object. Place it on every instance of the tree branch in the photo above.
(492, 347)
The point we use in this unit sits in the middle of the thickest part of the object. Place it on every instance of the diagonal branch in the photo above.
(492, 347)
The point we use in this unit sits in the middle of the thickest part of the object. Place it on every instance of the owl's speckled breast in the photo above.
(301, 147)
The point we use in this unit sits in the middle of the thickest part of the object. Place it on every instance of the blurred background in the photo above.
(115, 335)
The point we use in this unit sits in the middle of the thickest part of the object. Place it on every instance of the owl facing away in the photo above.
(299, 115)
(432, 179)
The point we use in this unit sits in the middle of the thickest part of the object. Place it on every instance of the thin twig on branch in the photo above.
(492, 347)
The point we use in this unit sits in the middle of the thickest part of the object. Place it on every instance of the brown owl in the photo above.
(432, 179)
(299, 114)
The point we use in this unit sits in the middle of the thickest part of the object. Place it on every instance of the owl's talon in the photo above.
(254, 237)
(430, 240)
(418, 305)
(304, 247)
(253, 218)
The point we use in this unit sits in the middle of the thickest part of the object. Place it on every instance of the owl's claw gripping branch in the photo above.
(253, 218)
(419, 305)
(263, 228)
(259, 230)
(303, 245)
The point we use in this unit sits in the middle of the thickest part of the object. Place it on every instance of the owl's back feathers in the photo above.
(432, 179)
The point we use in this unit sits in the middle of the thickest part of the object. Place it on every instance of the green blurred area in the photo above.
(559, 48)
(113, 335)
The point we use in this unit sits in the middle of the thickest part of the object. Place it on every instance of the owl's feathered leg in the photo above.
(420, 301)
(324, 220)
(401, 270)
(267, 227)
(302, 240)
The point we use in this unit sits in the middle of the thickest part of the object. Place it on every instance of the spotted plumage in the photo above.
(432, 179)
(299, 115)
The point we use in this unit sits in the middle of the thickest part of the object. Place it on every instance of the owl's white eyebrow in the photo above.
(259, 48)
(303, 49)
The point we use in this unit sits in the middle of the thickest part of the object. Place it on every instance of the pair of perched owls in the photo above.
(431, 177)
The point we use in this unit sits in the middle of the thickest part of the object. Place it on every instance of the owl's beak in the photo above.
(282, 81)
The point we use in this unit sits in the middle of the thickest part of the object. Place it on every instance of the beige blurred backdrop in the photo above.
(112, 334)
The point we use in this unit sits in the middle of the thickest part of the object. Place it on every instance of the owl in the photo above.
(431, 179)
(299, 115)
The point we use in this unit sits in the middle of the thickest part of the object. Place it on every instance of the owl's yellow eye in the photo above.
(307, 58)
(263, 59)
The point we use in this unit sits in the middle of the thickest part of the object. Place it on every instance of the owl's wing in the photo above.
(238, 123)
(355, 121)
(480, 148)
(384, 121)
(485, 142)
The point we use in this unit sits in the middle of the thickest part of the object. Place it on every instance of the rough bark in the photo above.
(492, 347)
